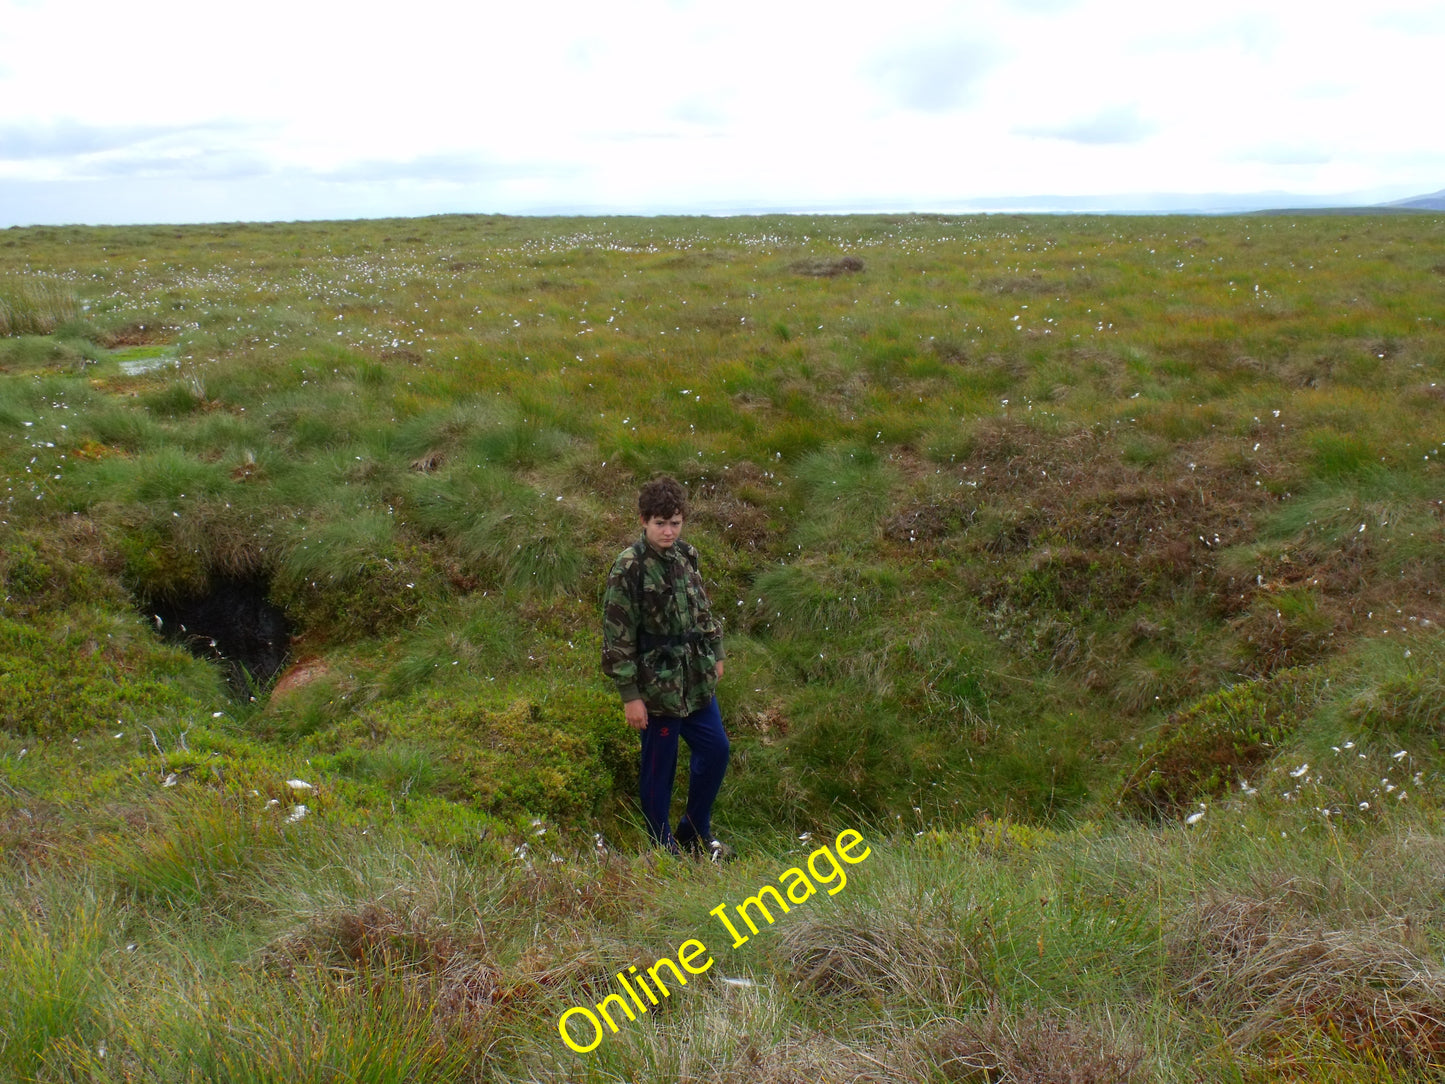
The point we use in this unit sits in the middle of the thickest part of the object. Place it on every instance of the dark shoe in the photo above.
(686, 835)
(719, 852)
(711, 850)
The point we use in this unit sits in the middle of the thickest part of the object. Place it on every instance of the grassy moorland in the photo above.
(1091, 567)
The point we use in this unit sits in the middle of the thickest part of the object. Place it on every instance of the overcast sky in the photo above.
(171, 111)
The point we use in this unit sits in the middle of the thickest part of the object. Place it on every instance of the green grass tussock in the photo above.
(59, 353)
(35, 306)
(509, 533)
(378, 1032)
(845, 497)
(54, 995)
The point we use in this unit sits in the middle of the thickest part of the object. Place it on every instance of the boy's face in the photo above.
(662, 531)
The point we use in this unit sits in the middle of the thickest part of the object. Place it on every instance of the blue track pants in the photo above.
(705, 737)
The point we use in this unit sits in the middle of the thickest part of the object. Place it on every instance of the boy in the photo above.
(662, 645)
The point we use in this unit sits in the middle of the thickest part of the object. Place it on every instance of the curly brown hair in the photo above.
(663, 497)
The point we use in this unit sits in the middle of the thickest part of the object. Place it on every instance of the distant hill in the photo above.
(1435, 201)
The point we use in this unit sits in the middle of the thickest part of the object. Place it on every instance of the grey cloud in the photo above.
(191, 166)
(1117, 124)
(95, 150)
(1042, 7)
(1287, 155)
(1161, 202)
(1257, 34)
(67, 138)
(1412, 22)
(700, 112)
(934, 78)
(1325, 90)
(214, 152)
(454, 168)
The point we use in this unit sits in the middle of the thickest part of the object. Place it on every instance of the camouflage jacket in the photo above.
(660, 640)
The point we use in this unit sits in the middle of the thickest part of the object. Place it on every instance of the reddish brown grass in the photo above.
(1270, 977)
(1000, 1047)
(374, 944)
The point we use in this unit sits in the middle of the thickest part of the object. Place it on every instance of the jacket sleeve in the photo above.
(620, 622)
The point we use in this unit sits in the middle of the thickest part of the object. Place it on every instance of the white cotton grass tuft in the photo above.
(1297, 772)
(297, 812)
(298, 784)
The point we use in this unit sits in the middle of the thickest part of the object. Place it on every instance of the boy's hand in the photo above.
(636, 712)
(719, 667)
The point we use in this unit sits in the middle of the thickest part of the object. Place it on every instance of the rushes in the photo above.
(364, 1028)
(201, 852)
(31, 306)
(53, 990)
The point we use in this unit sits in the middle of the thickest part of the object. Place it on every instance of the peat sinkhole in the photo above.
(232, 623)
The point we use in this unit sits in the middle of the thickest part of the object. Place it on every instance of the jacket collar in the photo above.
(645, 547)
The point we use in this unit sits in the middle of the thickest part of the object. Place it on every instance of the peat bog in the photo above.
(1090, 567)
